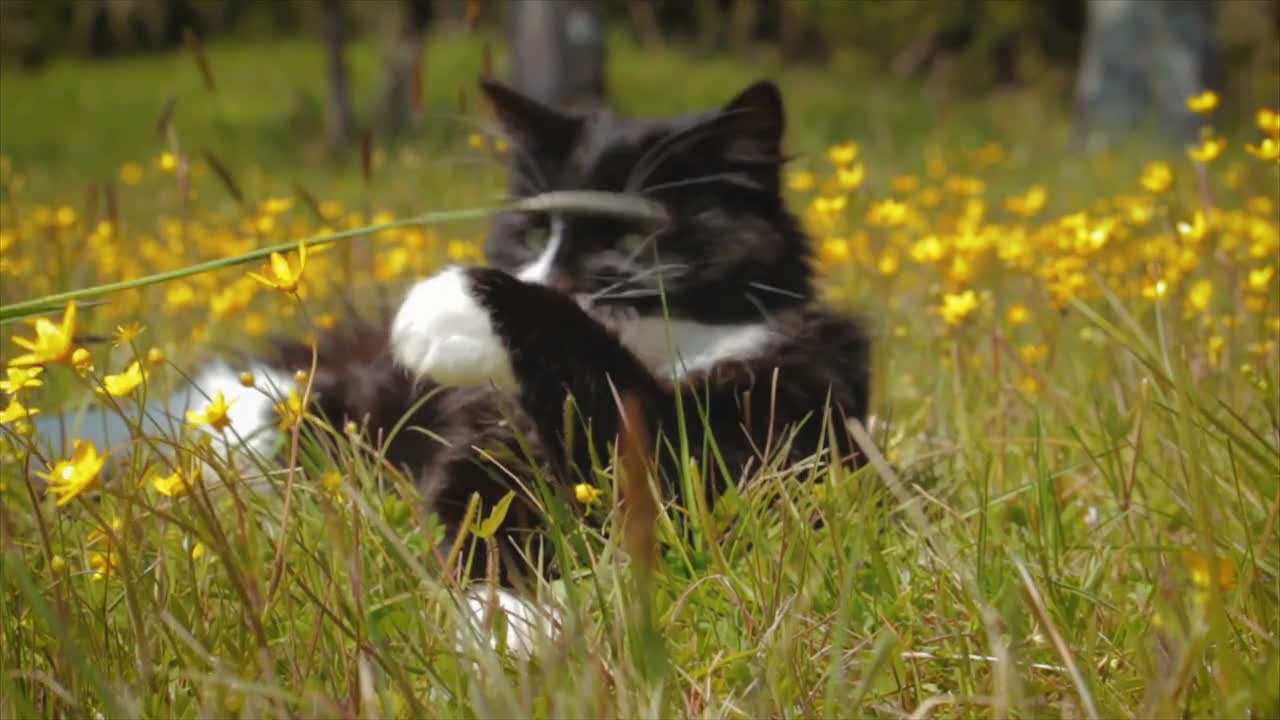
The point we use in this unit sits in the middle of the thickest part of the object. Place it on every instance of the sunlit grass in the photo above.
(1075, 383)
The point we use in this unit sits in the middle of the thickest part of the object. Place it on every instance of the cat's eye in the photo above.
(632, 244)
(535, 238)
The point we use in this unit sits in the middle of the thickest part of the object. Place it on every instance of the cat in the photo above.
(709, 312)
(704, 311)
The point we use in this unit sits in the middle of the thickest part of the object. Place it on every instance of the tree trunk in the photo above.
(558, 52)
(1142, 56)
(404, 59)
(339, 119)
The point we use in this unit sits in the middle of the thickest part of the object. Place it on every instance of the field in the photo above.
(1072, 510)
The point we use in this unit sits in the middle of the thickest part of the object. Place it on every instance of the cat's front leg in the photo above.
(442, 332)
(468, 326)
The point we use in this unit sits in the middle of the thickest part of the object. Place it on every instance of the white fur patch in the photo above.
(442, 333)
(538, 271)
(676, 348)
(527, 621)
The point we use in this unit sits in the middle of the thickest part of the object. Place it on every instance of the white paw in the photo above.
(442, 333)
(528, 622)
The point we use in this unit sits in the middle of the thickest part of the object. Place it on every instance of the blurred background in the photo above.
(290, 84)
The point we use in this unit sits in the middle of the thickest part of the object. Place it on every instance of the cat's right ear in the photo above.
(527, 122)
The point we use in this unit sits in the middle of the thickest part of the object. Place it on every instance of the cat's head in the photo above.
(728, 252)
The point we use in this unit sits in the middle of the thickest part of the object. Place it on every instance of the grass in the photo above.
(1075, 514)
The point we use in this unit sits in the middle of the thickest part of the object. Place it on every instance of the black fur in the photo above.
(730, 254)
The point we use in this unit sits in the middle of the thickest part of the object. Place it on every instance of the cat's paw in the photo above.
(443, 333)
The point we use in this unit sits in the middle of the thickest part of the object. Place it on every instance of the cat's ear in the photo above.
(753, 123)
(527, 122)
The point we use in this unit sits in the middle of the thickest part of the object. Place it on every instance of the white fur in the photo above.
(676, 348)
(539, 271)
(442, 333)
(527, 621)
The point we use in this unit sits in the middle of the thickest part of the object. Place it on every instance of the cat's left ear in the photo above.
(536, 127)
(753, 123)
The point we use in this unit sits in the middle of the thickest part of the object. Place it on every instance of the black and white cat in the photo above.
(710, 311)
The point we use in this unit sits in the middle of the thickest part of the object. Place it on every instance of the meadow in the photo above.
(1072, 501)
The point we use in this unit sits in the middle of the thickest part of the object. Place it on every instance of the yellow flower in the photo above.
(1157, 177)
(21, 378)
(476, 140)
(82, 361)
(801, 181)
(1209, 149)
(1017, 314)
(15, 412)
(170, 485)
(124, 383)
(57, 563)
(131, 173)
(834, 250)
(69, 478)
(586, 494)
(889, 262)
(829, 206)
(841, 155)
(957, 306)
(1205, 569)
(291, 410)
(155, 356)
(214, 414)
(1214, 346)
(1268, 121)
(104, 564)
(52, 343)
(125, 334)
(1258, 279)
(247, 379)
(851, 178)
(1200, 295)
(1155, 290)
(887, 213)
(1268, 149)
(283, 276)
(1194, 230)
(1205, 102)
(167, 162)
(1033, 353)
(1029, 204)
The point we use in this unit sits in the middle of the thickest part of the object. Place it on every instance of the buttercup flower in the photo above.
(1209, 149)
(842, 155)
(69, 478)
(958, 306)
(586, 494)
(170, 485)
(21, 378)
(82, 361)
(283, 275)
(1157, 177)
(1268, 149)
(52, 343)
(15, 412)
(1205, 102)
(215, 414)
(124, 383)
(291, 410)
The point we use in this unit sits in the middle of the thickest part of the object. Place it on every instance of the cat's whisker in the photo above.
(653, 158)
(777, 290)
(730, 178)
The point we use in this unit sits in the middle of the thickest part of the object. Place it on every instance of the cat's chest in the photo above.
(674, 349)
